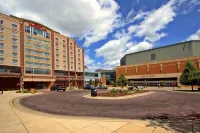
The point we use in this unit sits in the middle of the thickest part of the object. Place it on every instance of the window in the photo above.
(14, 33)
(48, 35)
(57, 45)
(56, 39)
(57, 66)
(14, 26)
(57, 55)
(57, 61)
(57, 50)
(153, 56)
(14, 40)
(79, 50)
(1, 22)
(1, 29)
(27, 29)
(29, 70)
(65, 67)
(14, 61)
(71, 53)
(1, 52)
(14, 54)
(1, 60)
(64, 42)
(1, 45)
(14, 47)
(71, 58)
(71, 44)
(1, 37)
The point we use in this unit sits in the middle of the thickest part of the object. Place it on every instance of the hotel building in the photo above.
(35, 56)
(159, 65)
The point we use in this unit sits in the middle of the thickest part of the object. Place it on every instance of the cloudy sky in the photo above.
(109, 29)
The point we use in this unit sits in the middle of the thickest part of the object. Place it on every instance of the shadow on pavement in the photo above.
(189, 123)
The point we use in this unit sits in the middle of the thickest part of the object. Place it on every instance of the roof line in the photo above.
(160, 47)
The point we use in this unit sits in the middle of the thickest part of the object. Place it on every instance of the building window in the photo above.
(48, 35)
(153, 56)
(57, 45)
(65, 67)
(57, 55)
(1, 60)
(57, 61)
(14, 61)
(14, 54)
(1, 37)
(71, 44)
(57, 50)
(71, 53)
(14, 33)
(1, 29)
(1, 22)
(56, 39)
(14, 40)
(14, 26)
(1, 52)
(71, 58)
(64, 42)
(1, 45)
(57, 66)
(14, 47)
(27, 29)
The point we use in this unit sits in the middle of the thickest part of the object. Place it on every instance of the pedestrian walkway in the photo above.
(15, 119)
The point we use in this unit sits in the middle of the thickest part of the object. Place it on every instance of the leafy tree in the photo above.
(96, 82)
(90, 82)
(122, 81)
(189, 75)
(113, 83)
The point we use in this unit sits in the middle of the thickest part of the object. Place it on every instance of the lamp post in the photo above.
(22, 83)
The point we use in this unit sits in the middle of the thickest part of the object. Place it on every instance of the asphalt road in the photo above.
(171, 104)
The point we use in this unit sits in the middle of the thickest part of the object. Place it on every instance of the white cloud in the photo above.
(154, 22)
(195, 36)
(88, 60)
(114, 50)
(91, 20)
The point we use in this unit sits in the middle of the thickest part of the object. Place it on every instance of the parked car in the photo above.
(102, 87)
(57, 87)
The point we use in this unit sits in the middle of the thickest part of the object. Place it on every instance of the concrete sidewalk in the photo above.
(15, 119)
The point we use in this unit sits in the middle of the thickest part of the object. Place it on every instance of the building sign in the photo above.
(38, 26)
(148, 76)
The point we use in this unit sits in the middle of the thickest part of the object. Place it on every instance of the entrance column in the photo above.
(50, 84)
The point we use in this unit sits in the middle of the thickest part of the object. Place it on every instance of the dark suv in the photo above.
(57, 87)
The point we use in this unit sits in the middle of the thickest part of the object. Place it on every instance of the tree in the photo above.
(122, 81)
(96, 82)
(189, 75)
(90, 82)
(113, 83)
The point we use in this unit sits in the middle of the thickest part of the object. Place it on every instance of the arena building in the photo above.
(33, 55)
(159, 66)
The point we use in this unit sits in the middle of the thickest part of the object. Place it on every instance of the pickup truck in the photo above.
(57, 87)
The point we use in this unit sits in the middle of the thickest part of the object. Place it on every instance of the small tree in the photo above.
(189, 75)
(113, 83)
(90, 82)
(96, 82)
(122, 81)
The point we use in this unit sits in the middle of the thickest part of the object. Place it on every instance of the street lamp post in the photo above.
(22, 83)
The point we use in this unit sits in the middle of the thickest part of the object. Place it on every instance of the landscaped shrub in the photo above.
(18, 91)
(25, 91)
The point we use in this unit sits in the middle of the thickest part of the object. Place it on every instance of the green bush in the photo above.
(25, 91)
(18, 91)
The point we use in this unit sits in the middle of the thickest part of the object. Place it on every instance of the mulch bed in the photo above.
(108, 94)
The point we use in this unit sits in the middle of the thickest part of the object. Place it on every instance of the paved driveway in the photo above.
(161, 103)
(15, 118)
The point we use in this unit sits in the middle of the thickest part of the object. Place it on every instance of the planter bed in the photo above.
(118, 94)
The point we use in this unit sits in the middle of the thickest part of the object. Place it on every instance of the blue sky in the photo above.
(109, 29)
